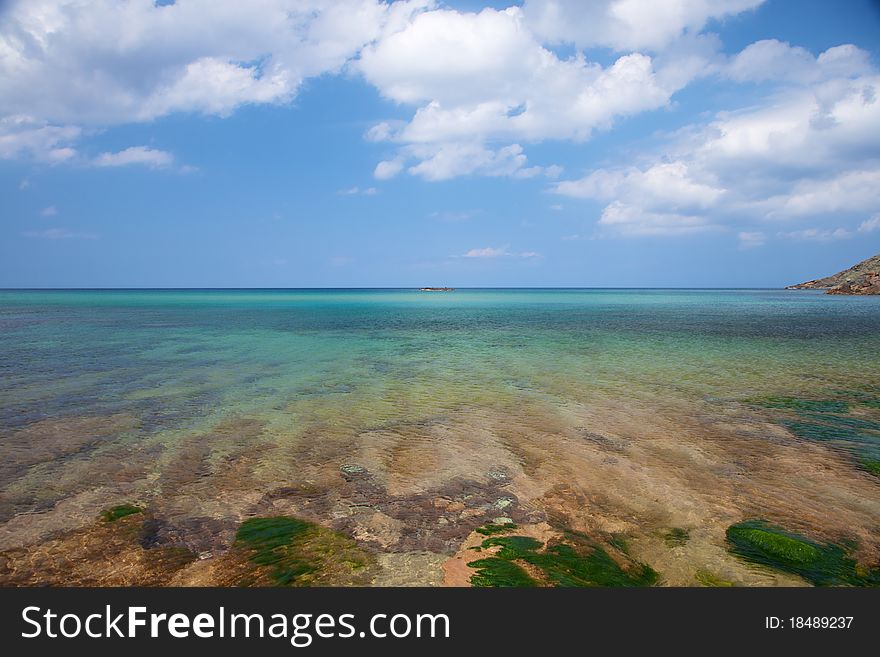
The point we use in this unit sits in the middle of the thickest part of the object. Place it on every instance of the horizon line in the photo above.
(414, 288)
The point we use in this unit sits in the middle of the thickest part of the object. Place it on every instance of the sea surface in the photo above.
(624, 411)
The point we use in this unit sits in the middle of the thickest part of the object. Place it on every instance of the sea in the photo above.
(616, 411)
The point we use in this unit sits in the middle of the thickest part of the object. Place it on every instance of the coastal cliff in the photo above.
(863, 278)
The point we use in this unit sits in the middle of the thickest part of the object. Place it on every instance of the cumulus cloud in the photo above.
(478, 88)
(24, 136)
(626, 24)
(771, 59)
(482, 83)
(445, 161)
(631, 220)
(110, 62)
(810, 152)
(49, 211)
(670, 184)
(142, 155)
(105, 62)
(388, 169)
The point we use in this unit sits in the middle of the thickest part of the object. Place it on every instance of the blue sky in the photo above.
(295, 143)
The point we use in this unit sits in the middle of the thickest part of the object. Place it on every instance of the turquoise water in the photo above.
(181, 395)
(175, 357)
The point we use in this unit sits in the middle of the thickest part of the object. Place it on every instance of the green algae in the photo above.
(869, 396)
(491, 528)
(871, 465)
(121, 511)
(860, 438)
(497, 572)
(850, 439)
(706, 578)
(676, 537)
(566, 566)
(845, 421)
(570, 561)
(619, 543)
(293, 552)
(823, 564)
(829, 421)
(513, 547)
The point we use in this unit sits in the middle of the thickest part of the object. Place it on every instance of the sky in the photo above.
(358, 143)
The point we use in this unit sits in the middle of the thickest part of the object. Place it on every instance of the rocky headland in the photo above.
(863, 278)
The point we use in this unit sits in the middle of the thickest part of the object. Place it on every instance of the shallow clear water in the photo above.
(289, 383)
(175, 358)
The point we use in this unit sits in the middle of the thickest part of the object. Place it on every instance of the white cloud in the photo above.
(24, 136)
(813, 151)
(487, 252)
(817, 234)
(380, 132)
(633, 221)
(49, 211)
(480, 88)
(482, 84)
(105, 62)
(388, 169)
(498, 252)
(664, 199)
(776, 60)
(143, 155)
(625, 24)
(59, 234)
(670, 185)
(855, 190)
(870, 225)
(751, 239)
(445, 161)
(108, 62)
(357, 191)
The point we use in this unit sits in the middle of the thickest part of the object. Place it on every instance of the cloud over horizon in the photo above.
(478, 94)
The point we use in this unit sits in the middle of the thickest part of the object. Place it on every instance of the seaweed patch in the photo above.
(287, 551)
(823, 564)
(570, 560)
